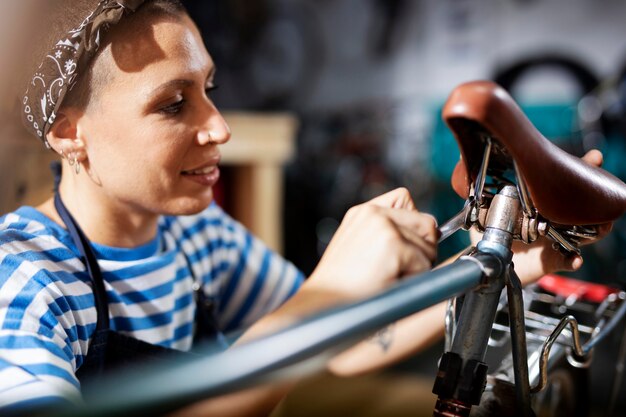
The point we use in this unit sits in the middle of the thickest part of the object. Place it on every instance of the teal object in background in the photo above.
(604, 261)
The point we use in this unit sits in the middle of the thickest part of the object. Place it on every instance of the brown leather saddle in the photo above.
(563, 188)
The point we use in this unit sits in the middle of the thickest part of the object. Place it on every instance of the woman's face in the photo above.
(152, 131)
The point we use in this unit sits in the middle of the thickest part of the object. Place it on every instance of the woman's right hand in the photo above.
(376, 243)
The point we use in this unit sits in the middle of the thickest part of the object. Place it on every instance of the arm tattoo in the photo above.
(383, 338)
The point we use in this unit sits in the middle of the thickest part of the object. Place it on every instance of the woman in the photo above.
(131, 259)
(122, 96)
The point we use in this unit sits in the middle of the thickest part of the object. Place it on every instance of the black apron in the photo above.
(108, 349)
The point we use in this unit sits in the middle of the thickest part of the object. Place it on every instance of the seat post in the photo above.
(462, 371)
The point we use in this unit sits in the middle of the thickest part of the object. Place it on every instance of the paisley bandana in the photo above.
(59, 69)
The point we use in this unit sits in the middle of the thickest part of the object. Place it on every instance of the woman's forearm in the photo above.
(392, 344)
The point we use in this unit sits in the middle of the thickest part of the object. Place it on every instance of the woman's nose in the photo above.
(215, 132)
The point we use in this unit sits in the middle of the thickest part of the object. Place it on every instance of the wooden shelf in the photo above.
(260, 146)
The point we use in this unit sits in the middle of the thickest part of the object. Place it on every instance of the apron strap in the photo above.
(102, 305)
(89, 258)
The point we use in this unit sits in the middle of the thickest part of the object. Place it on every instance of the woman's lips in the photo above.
(207, 176)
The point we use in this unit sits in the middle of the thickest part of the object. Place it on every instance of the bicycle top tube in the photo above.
(563, 188)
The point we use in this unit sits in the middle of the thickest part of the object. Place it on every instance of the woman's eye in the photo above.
(210, 89)
(173, 108)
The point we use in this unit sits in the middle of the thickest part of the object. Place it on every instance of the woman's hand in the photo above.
(377, 242)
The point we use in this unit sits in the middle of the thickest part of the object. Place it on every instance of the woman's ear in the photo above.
(62, 130)
(64, 136)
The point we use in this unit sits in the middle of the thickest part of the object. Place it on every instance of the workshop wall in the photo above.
(367, 78)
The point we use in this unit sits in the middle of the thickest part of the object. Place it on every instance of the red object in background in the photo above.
(222, 191)
(583, 290)
(219, 195)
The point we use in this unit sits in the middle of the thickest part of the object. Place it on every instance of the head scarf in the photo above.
(73, 48)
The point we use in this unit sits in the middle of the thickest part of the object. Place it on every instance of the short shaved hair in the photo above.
(92, 79)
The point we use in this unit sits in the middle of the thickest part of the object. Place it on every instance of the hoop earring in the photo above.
(76, 164)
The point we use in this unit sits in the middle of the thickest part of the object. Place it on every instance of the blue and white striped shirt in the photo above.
(47, 311)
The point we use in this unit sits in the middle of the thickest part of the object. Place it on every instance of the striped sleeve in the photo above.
(37, 360)
(244, 277)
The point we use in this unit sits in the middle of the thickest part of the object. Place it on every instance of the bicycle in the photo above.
(507, 176)
(513, 174)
